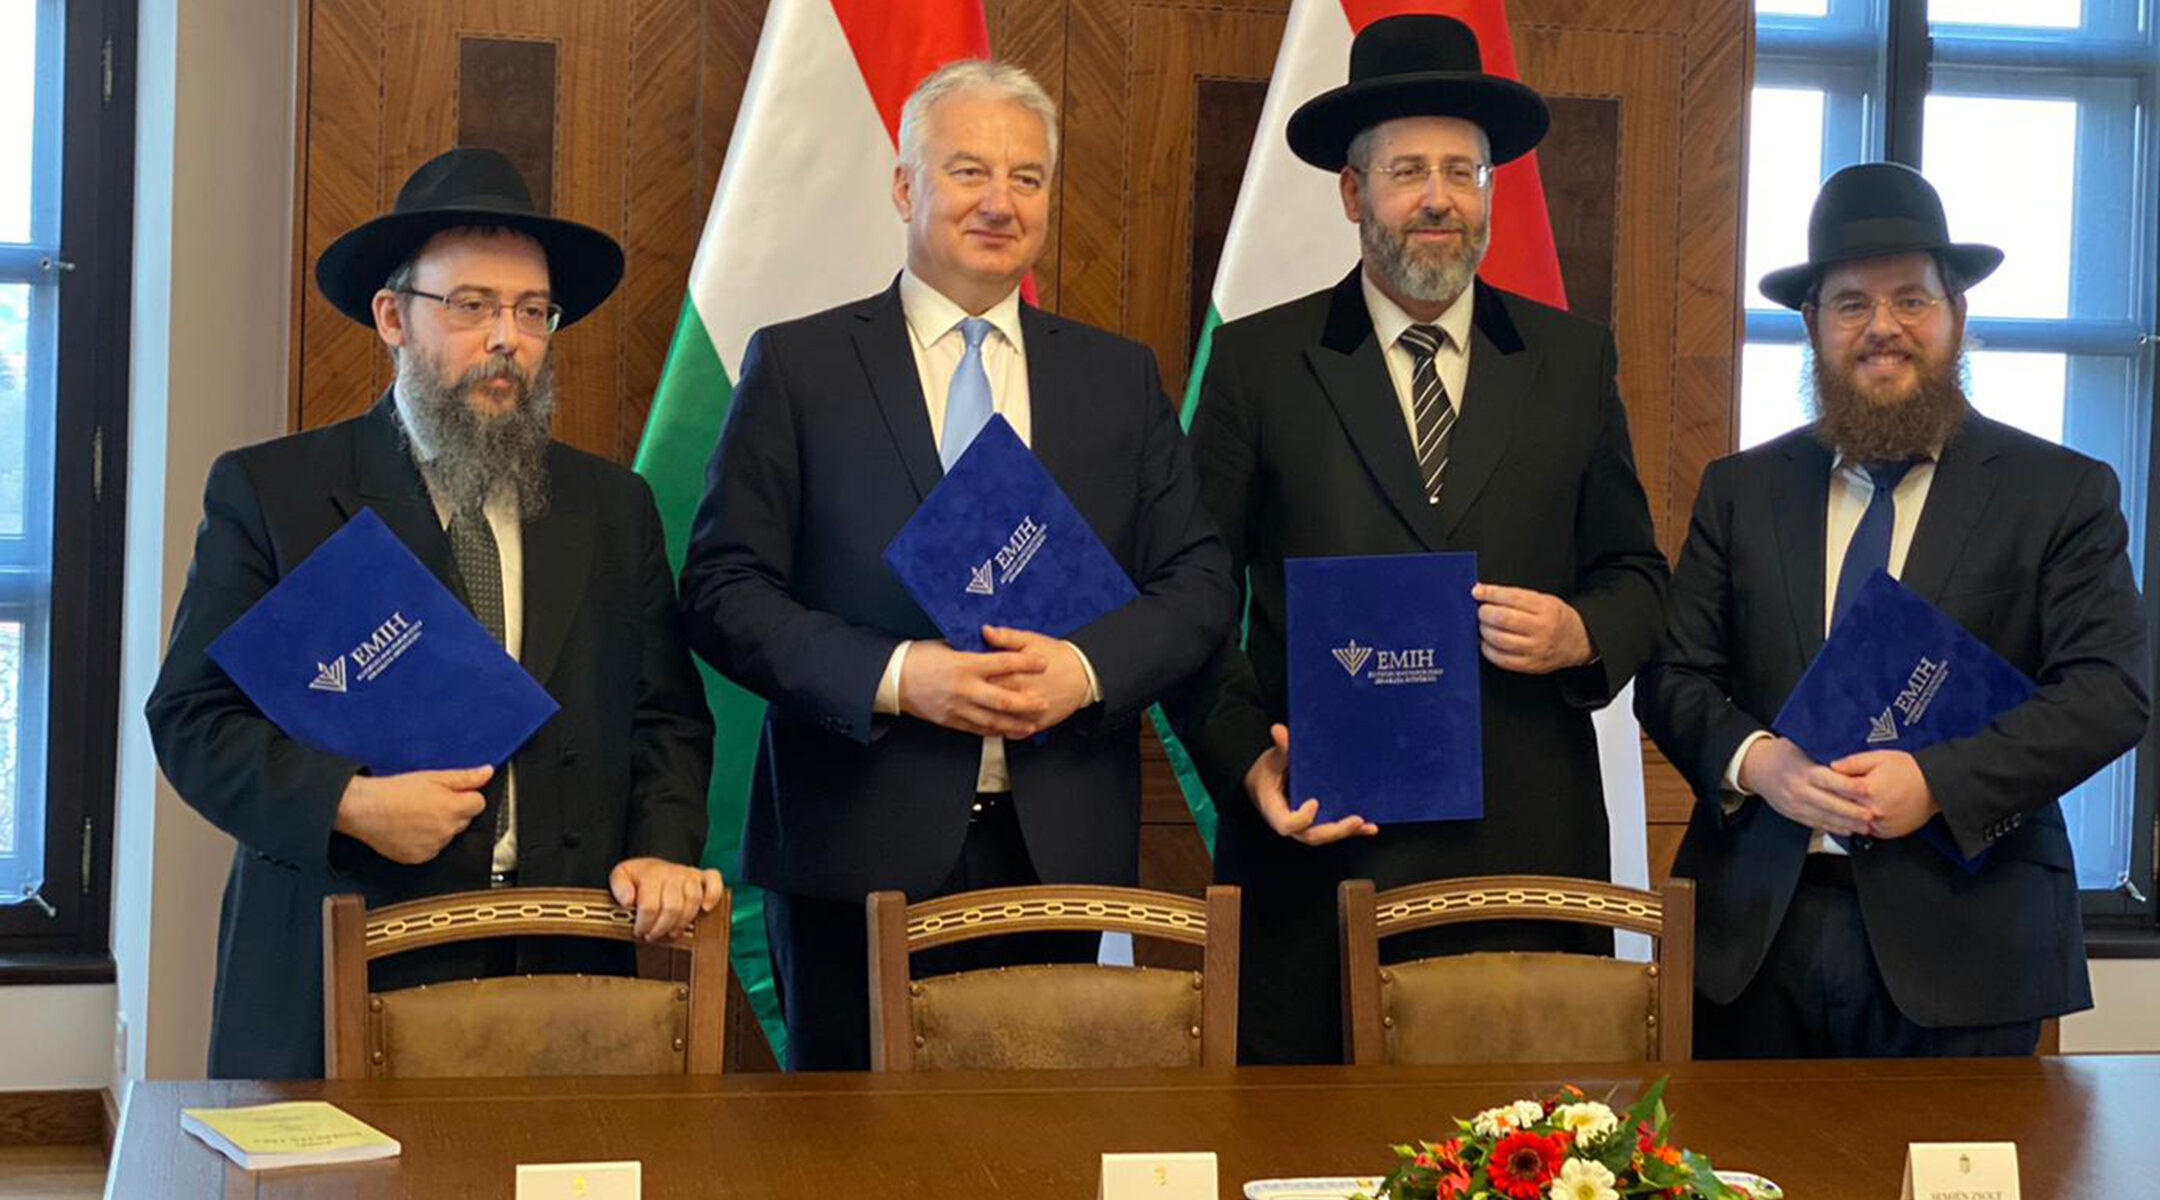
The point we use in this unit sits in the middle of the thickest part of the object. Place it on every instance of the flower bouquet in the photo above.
(1564, 1147)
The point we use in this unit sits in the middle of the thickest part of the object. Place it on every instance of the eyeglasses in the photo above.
(1853, 312)
(472, 308)
(1461, 178)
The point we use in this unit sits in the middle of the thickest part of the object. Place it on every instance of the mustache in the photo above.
(1437, 224)
(497, 366)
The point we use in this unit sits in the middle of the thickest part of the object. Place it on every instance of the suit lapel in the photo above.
(558, 551)
(1054, 413)
(1352, 371)
(1799, 507)
(881, 342)
(386, 480)
(1964, 477)
(1496, 402)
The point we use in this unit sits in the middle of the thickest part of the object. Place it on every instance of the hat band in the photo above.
(1852, 239)
(507, 205)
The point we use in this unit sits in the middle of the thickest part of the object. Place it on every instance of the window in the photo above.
(2035, 120)
(66, 137)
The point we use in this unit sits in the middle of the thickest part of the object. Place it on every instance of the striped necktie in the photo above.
(1432, 414)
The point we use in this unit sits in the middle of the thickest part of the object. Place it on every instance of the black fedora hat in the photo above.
(1417, 65)
(1871, 210)
(468, 186)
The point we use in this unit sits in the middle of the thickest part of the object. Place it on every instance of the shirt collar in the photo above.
(1389, 320)
(931, 314)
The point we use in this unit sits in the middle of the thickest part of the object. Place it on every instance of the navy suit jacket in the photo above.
(2023, 543)
(827, 451)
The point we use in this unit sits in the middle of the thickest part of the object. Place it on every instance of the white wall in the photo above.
(2125, 1016)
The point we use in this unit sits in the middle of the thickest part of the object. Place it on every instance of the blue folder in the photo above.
(361, 652)
(1896, 673)
(1383, 666)
(996, 542)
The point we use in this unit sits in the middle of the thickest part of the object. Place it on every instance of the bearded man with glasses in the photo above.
(1824, 927)
(559, 553)
(1411, 408)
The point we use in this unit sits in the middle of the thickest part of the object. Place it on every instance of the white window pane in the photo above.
(2020, 389)
(1792, 8)
(1773, 391)
(2031, 14)
(2028, 216)
(1785, 133)
(18, 114)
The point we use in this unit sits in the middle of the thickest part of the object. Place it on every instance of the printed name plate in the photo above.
(581, 1181)
(1157, 1177)
(1383, 668)
(997, 542)
(361, 652)
(1961, 1171)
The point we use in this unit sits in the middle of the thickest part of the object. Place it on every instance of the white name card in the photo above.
(581, 1181)
(1961, 1171)
(1157, 1177)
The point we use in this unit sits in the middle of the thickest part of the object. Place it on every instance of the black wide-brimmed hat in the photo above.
(468, 186)
(1871, 210)
(1417, 65)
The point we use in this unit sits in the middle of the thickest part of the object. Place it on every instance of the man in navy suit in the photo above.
(889, 759)
(1825, 927)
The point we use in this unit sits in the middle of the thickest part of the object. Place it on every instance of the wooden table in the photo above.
(2085, 1127)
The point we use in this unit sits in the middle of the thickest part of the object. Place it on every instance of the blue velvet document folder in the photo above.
(1383, 673)
(997, 543)
(1897, 673)
(360, 651)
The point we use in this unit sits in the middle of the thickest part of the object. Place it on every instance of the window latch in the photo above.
(50, 265)
(30, 896)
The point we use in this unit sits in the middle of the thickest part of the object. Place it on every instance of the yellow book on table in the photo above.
(295, 1133)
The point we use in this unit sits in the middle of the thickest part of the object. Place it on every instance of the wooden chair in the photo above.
(516, 1025)
(1058, 1016)
(1517, 1007)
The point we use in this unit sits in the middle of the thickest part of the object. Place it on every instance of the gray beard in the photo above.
(1865, 431)
(476, 457)
(1435, 282)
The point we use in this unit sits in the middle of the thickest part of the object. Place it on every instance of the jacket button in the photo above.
(572, 841)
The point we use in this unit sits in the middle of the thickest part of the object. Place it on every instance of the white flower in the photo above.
(1589, 1121)
(1581, 1179)
(1497, 1122)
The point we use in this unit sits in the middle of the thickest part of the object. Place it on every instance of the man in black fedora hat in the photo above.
(1824, 926)
(558, 553)
(1410, 408)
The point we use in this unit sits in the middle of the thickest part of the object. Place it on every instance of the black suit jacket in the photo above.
(620, 771)
(826, 453)
(1303, 452)
(2022, 542)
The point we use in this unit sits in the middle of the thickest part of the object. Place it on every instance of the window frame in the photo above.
(88, 474)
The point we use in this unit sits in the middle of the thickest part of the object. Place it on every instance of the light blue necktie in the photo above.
(967, 401)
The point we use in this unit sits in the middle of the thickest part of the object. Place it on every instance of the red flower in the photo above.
(1523, 1163)
(1450, 1152)
(1646, 1137)
(1452, 1187)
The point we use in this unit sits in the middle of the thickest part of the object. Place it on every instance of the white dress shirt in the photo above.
(1850, 491)
(501, 511)
(1452, 360)
(933, 322)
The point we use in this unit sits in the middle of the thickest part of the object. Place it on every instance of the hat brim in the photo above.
(1971, 261)
(1513, 116)
(584, 264)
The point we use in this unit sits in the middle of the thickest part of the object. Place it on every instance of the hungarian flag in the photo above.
(1288, 238)
(802, 220)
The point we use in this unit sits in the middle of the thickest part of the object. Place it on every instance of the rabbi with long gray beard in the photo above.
(1824, 926)
(559, 555)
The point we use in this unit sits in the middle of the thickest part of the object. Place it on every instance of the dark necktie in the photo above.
(479, 564)
(1870, 545)
(1432, 414)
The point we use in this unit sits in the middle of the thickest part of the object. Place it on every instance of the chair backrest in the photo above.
(1063, 1016)
(1517, 1007)
(517, 1025)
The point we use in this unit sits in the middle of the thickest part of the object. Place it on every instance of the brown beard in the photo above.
(1868, 431)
